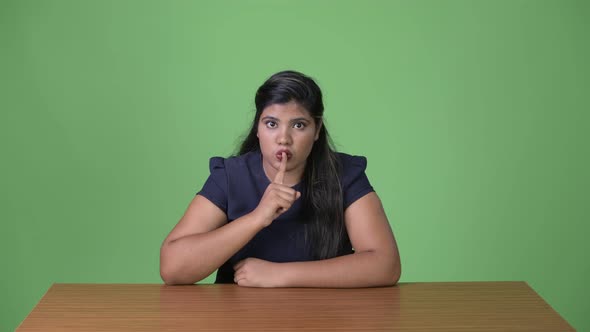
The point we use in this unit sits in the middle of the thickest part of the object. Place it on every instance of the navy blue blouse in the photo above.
(236, 185)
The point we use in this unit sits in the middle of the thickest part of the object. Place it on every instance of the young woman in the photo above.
(287, 211)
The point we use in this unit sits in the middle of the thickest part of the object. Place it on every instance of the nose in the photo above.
(284, 137)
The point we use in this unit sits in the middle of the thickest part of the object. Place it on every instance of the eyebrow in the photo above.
(268, 117)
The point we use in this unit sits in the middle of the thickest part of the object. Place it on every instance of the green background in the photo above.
(473, 116)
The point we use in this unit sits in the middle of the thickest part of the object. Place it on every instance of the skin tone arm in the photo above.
(203, 239)
(375, 262)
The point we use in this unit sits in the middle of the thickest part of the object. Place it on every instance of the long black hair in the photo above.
(322, 204)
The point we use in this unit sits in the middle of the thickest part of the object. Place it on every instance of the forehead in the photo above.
(289, 110)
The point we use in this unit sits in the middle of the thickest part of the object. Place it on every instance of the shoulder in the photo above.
(351, 166)
(353, 179)
(225, 173)
(351, 161)
(235, 168)
(221, 163)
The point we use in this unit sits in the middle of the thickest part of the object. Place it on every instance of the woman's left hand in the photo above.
(254, 272)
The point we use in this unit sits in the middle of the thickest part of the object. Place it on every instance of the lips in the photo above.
(279, 154)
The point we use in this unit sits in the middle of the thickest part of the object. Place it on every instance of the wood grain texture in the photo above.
(475, 306)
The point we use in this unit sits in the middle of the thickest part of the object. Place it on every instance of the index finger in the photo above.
(281, 174)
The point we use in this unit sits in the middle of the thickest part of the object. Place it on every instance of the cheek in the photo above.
(307, 143)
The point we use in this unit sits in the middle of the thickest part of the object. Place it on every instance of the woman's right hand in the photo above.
(277, 197)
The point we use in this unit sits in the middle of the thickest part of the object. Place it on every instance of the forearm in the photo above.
(362, 269)
(191, 258)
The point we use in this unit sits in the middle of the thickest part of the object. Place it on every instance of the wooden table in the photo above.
(461, 306)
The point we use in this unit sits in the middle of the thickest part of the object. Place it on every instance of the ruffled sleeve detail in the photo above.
(215, 188)
(355, 183)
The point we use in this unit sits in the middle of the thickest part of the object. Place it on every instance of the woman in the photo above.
(287, 211)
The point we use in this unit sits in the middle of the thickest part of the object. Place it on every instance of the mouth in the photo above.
(279, 154)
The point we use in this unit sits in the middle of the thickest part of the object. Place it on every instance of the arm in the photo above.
(375, 262)
(192, 250)
(203, 239)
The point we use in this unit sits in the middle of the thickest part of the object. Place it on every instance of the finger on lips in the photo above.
(280, 177)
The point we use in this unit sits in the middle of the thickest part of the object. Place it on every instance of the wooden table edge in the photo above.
(549, 305)
(525, 283)
(35, 307)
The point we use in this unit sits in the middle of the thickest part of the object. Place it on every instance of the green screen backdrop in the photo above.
(473, 116)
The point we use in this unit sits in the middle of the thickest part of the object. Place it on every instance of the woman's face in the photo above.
(286, 128)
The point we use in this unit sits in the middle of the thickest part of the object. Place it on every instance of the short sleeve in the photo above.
(215, 188)
(355, 183)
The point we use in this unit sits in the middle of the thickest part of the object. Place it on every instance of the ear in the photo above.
(317, 132)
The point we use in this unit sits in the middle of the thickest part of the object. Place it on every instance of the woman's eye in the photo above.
(271, 124)
(299, 125)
